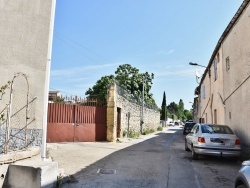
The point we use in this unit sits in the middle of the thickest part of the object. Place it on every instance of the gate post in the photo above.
(111, 113)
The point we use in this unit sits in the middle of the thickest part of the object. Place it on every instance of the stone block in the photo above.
(43, 174)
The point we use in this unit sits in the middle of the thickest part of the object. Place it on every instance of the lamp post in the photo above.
(198, 76)
(195, 64)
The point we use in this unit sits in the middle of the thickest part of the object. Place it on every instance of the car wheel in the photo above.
(242, 186)
(186, 147)
(194, 155)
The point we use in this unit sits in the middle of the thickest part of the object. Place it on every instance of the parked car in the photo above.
(217, 140)
(171, 123)
(176, 123)
(187, 127)
(243, 176)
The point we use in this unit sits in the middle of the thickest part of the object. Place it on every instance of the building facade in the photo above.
(224, 90)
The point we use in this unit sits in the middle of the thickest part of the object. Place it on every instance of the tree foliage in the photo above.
(163, 107)
(2, 92)
(188, 114)
(99, 90)
(178, 111)
(59, 100)
(127, 77)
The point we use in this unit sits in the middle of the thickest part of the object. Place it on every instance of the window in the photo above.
(218, 57)
(215, 70)
(215, 116)
(206, 117)
(230, 115)
(207, 129)
(203, 92)
(227, 63)
(216, 129)
(201, 120)
(195, 129)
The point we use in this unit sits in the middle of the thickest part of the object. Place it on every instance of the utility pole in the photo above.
(142, 118)
(165, 117)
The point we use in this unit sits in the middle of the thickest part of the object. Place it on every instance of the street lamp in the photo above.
(198, 76)
(195, 64)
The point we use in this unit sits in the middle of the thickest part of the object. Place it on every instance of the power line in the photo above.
(82, 46)
(62, 38)
(66, 42)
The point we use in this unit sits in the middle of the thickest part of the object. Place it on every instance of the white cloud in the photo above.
(73, 80)
(79, 70)
(165, 52)
(187, 72)
(161, 52)
(171, 51)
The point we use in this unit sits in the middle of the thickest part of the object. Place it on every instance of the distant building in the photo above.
(53, 95)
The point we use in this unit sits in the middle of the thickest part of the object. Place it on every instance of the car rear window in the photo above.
(190, 125)
(216, 129)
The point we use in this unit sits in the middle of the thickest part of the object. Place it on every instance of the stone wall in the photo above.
(129, 113)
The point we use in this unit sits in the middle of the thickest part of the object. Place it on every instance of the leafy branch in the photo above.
(2, 92)
(4, 87)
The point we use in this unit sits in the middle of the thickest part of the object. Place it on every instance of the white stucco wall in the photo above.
(24, 33)
(24, 37)
(204, 103)
(216, 102)
(236, 46)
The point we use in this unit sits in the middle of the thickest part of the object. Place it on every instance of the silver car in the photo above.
(217, 140)
(243, 176)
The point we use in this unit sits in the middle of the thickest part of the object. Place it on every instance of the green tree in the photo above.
(129, 78)
(173, 108)
(99, 90)
(188, 114)
(180, 113)
(163, 107)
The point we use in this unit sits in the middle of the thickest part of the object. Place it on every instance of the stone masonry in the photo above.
(129, 114)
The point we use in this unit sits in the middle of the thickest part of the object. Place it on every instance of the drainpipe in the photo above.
(47, 79)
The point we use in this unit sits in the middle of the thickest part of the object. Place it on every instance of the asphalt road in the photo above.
(157, 162)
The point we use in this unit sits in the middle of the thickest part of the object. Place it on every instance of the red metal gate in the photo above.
(76, 123)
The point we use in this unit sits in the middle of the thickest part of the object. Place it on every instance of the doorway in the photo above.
(118, 130)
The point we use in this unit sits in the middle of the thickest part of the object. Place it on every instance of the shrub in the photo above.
(124, 133)
(133, 134)
(148, 131)
(160, 128)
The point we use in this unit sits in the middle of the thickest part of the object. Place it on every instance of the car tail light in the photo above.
(201, 139)
(237, 141)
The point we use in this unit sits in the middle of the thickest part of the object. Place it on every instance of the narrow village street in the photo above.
(157, 160)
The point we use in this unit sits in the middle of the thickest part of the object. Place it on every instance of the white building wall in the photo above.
(204, 100)
(236, 47)
(217, 93)
(24, 37)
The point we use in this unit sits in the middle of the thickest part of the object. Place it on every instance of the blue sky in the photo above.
(93, 37)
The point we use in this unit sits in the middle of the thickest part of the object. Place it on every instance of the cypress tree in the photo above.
(163, 107)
